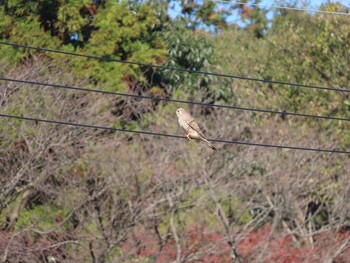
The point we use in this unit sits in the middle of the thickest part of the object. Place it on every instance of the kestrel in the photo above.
(187, 122)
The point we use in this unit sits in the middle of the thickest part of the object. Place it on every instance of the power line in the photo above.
(175, 69)
(173, 135)
(283, 7)
(174, 100)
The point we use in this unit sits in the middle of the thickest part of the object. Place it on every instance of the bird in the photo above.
(187, 122)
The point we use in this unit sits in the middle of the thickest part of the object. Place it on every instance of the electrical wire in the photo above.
(283, 7)
(175, 69)
(174, 100)
(173, 135)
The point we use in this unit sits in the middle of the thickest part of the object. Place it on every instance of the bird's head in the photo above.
(179, 112)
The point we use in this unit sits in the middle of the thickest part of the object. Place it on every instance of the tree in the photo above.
(254, 18)
(199, 14)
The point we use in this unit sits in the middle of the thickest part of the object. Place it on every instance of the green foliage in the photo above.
(193, 51)
(44, 217)
(136, 33)
(210, 15)
(234, 209)
(69, 19)
(254, 19)
(5, 22)
(207, 13)
(312, 55)
(299, 48)
(114, 31)
(125, 35)
(186, 50)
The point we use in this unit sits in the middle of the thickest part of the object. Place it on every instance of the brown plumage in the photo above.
(187, 122)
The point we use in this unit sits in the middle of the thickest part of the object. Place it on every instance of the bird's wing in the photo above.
(194, 125)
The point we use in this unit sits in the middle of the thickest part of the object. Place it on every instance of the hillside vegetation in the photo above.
(75, 194)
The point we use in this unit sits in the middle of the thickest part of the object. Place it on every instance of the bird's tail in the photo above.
(209, 144)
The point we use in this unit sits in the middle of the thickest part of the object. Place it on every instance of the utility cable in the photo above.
(283, 7)
(175, 69)
(174, 100)
(173, 135)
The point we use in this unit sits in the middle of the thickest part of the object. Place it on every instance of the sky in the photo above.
(314, 4)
